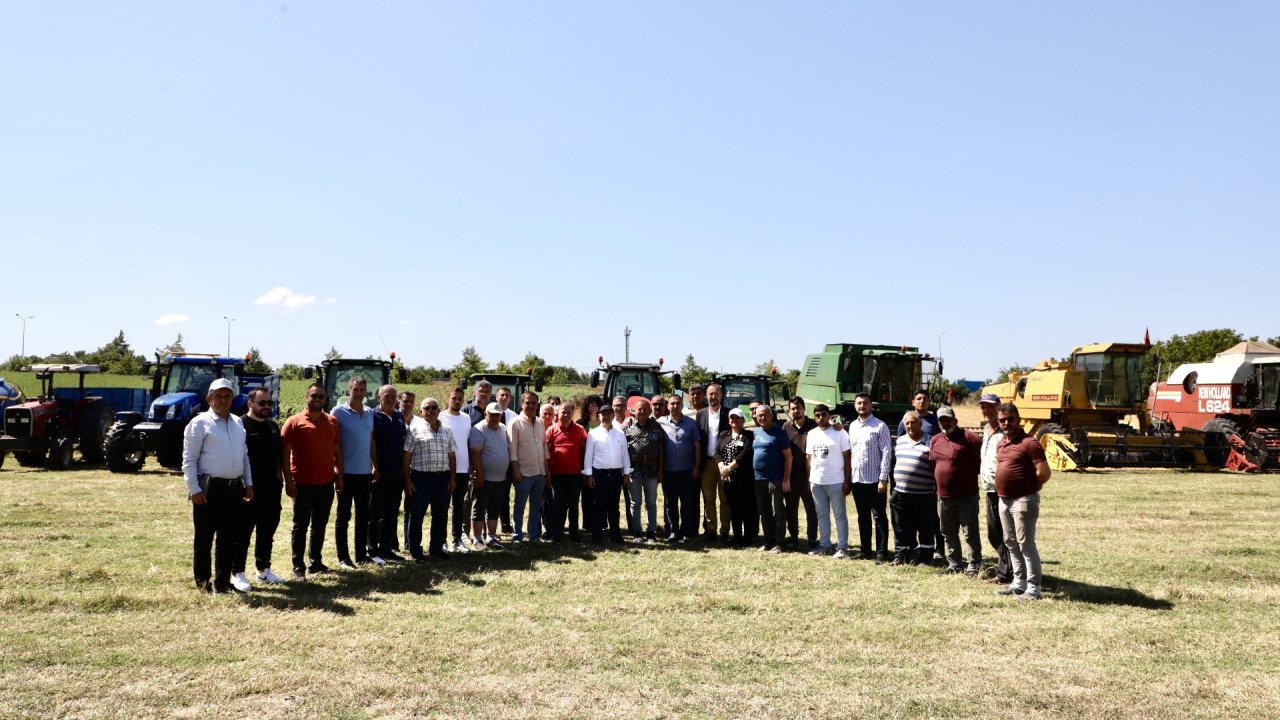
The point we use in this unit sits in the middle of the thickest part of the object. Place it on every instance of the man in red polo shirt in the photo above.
(566, 443)
(1021, 470)
(312, 465)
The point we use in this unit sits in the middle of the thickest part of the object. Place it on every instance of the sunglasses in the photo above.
(265, 403)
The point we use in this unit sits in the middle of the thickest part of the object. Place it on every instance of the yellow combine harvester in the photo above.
(1091, 411)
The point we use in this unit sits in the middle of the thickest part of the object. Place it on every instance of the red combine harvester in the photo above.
(1234, 399)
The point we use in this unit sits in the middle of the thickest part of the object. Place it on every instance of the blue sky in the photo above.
(736, 180)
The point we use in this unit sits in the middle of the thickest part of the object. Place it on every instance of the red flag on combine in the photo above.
(1146, 338)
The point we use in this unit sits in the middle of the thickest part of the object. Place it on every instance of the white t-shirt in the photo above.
(826, 449)
(713, 430)
(460, 426)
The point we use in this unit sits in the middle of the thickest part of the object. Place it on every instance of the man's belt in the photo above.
(224, 481)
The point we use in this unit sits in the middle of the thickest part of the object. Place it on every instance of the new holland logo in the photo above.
(1044, 398)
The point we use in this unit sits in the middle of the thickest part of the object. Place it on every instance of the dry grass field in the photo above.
(1161, 599)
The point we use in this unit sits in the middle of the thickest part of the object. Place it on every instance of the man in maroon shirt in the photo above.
(957, 457)
(1021, 470)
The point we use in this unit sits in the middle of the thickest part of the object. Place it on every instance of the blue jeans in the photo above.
(529, 490)
(648, 488)
(829, 500)
(429, 488)
(607, 494)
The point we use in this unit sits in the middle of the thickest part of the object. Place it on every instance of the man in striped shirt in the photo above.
(872, 459)
(915, 495)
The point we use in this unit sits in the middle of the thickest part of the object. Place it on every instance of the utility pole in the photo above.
(627, 333)
(23, 352)
(229, 321)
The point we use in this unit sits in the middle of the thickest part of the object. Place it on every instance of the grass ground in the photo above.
(1162, 591)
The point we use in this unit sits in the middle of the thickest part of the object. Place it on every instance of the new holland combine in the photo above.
(1090, 410)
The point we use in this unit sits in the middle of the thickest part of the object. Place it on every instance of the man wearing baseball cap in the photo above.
(991, 436)
(215, 467)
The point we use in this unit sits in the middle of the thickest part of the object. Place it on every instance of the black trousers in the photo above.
(223, 515)
(915, 523)
(263, 516)
(680, 503)
(384, 510)
(355, 491)
(430, 489)
(995, 536)
(311, 506)
(744, 516)
(870, 503)
(799, 494)
(608, 493)
(565, 492)
(505, 493)
(461, 501)
(772, 509)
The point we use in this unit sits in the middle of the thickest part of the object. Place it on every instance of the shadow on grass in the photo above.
(1103, 594)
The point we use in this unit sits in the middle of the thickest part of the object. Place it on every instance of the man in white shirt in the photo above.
(606, 468)
(872, 462)
(460, 425)
(215, 467)
(712, 419)
(828, 457)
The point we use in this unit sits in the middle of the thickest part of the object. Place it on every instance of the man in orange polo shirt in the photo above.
(312, 464)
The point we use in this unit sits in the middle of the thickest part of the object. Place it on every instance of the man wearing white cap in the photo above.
(215, 467)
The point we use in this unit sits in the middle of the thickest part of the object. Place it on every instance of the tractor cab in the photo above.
(631, 380)
(515, 383)
(336, 374)
(181, 388)
(744, 390)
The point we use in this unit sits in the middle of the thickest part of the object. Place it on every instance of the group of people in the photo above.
(572, 469)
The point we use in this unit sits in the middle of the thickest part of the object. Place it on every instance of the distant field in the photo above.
(1161, 592)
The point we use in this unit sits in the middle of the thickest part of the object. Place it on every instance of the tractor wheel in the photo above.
(1051, 428)
(32, 458)
(124, 450)
(61, 455)
(170, 458)
(1216, 433)
(94, 425)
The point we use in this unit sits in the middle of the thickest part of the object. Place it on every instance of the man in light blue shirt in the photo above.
(215, 467)
(359, 472)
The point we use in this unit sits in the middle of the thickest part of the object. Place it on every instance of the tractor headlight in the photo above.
(173, 412)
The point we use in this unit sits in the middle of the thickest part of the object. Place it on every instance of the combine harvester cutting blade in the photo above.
(1120, 446)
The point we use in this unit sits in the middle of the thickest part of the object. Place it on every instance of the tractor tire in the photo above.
(1051, 427)
(124, 453)
(62, 454)
(1216, 433)
(169, 458)
(94, 425)
(32, 458)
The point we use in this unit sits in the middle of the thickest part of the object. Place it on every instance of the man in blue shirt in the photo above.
(771, 460)
(928, 419)
(355, 430)
(683, 447)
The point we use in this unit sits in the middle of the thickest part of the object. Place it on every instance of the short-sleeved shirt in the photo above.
(799, 437)
(767, 450)
(263, 440)
(388, 438)
(430, 448)
(495, 449)
(1016, 467)
(913, 467)
(355, 431)
(928, 425)
(567, 446)
(644, 442)
(680, 436)
(956, 461)
(311, 443)
(826, 449)
(460, 426)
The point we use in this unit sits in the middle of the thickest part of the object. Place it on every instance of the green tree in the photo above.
(766, 368)
(1002, 375)
(174, 347)
(536, 366)
(470, 364)
(118, 357)
(1195, 347)
(289, 371)
(333, 353)
(17, 362)
(691, 373)
(255, 362)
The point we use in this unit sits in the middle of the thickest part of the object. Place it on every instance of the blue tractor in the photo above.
(179, 384)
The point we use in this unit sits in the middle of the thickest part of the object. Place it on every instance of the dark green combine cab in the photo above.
(743, 389)
(889, 373)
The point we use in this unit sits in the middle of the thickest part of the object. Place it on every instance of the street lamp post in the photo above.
(229, 321)
(23, 352)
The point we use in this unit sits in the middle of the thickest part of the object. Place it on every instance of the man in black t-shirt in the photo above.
(262, 435)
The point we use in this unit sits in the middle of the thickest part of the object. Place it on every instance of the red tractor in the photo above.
(53, 423)
(1234, 399)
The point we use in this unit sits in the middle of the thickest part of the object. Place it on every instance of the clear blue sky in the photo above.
(737, 180)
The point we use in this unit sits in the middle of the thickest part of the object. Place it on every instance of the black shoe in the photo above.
(204, 586)
(362, 560)
(419, 558)
(392, 557)
(506, 529)
(346, 565)
(951, 570)
(300, 574)
(863, 556)
(575, 537)
(319, 568)
(441, 555)
(1010, 591)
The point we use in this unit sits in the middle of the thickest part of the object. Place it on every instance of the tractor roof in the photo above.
(1232, 365)
(1113, 347)
(80, 368)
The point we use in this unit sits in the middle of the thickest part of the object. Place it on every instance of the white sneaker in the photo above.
(377, 560)
(839, 554)
(240, 583)
(458, 547)
(268, 576)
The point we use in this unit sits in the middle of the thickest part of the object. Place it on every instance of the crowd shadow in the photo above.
(1102, 594)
